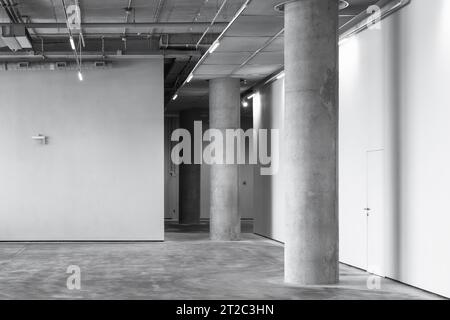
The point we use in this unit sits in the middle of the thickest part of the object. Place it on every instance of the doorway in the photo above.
(375, 212)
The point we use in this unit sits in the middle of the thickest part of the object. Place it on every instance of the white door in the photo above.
(375, 212)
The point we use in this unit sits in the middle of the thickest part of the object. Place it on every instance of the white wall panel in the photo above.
(408, 60)
(101, 177)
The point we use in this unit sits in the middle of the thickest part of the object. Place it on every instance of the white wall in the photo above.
(393, 97)
(394, 87)
(101, 175)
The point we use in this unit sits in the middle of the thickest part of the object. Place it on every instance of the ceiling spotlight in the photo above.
(80, 75)
(251, 96)
(245, 104)
(214, 47)
(189, 79)
(175, 97)
(72, 43)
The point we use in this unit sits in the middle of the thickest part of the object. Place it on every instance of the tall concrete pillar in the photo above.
(224, 113)
(189, 206)
(309, 156)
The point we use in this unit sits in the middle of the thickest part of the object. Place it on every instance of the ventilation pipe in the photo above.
(15, 37)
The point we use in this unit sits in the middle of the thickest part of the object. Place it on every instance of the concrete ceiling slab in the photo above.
(256, 26)
(257, 71)
(276, 46)
(230, 58)
(246, 37)
(215, 69)
(268, 58)
(239, 44)
(265, 7)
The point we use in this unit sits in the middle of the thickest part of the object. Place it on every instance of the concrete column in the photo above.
(224, 113)
(309, 156)
(189, 210)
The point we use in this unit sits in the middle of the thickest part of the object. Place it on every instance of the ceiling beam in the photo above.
(65, 56)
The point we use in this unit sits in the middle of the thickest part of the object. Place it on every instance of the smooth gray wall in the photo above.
(189, 182)
(268, 113)
(171, 171)
(101, 175)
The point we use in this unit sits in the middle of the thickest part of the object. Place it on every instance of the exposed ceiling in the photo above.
(251, 47)
(120, 28)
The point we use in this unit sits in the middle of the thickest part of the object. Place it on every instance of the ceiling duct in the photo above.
(15, 37)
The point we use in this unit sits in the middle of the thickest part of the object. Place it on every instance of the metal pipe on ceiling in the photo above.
(134, 35)
(157, 15)
(229, 24)
(7, 9)
(254, 54)
(127, 15)
(14, 57)
(212, 22)
(56, 25)
(16, 17)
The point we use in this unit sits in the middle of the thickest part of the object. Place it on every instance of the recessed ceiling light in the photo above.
(175, 97)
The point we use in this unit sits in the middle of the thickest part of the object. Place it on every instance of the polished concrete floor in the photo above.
(186, 266)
